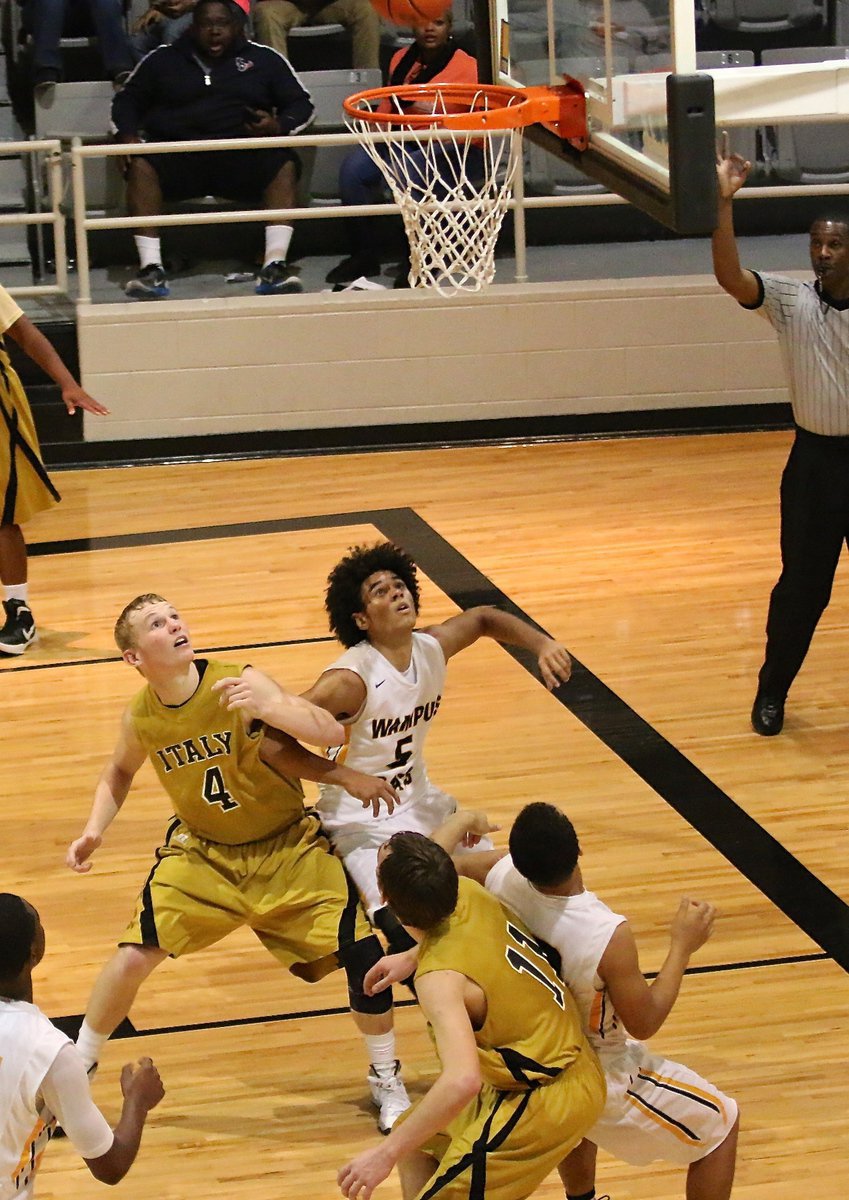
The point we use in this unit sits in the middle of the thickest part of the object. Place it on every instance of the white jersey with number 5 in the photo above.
(386, 737)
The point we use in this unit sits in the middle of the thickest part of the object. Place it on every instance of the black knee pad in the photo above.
(357, 960)
(397, 938)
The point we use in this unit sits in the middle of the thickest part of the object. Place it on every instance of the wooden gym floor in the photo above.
(652, 559)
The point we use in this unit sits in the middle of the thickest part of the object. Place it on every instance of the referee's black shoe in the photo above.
(768, 714)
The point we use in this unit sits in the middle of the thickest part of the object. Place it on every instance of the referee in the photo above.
(812, 323)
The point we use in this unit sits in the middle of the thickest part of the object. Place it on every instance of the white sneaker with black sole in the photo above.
(388, 1095)
(18, 632)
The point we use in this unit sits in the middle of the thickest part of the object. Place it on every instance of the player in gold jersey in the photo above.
(519, 1084)
(240, 849)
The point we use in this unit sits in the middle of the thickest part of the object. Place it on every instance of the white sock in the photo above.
(277, 239)
(149, 251)
(381, 1052)
(17, 591)
(89, 1042)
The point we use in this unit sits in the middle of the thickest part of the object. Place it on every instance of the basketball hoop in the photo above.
(454, 183)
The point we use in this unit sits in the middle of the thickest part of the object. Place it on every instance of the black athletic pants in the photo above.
(814, 526)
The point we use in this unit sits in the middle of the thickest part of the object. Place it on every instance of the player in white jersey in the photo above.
(386, 690)
(43, 1078)
(656, 1109)
(811, 320)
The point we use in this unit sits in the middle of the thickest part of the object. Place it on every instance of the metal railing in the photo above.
(49, 152)
(51, 149)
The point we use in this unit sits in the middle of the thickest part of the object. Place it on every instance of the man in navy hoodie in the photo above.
(212, 83)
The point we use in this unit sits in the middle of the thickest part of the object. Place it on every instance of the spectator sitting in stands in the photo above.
(212, 83)
(161, 25)
(46, 21)
(274, 18)
(432, 58)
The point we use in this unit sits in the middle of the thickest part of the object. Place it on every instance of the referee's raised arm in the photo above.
(732, 172)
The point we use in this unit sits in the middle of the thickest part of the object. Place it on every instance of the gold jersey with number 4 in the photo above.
(209, 763)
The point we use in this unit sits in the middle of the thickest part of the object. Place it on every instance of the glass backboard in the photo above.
(654, 101)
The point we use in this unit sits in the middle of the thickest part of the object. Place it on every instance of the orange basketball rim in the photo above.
(475, 106)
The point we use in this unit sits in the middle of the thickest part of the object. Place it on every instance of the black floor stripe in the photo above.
(745, 844)
(229, 649)
(202, 533)
(127, 1029)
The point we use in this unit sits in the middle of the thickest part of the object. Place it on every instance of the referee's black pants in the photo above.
(814, 526)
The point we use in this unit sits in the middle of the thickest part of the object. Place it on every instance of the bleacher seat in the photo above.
(809, 152)
(764, 16)
(328, 89)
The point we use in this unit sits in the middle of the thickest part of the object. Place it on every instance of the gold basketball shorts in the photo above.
(289, 889)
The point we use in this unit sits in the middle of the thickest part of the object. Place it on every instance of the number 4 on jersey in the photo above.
(214, 791)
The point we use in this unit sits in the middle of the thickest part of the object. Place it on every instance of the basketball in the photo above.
(409, 13)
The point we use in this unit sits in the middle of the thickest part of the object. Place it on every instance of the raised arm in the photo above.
(258, 697)
(461, 631)
(732, 172)
(466, 828)
(440, 994)
(109, 795)
(644, 1007)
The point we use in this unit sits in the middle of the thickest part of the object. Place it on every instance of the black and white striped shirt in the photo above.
(813, 334)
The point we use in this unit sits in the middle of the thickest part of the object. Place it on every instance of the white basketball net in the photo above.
(453, 192)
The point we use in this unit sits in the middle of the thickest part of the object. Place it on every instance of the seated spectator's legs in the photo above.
(46, 19)
(272, 21)
(108, 18)
(144, 199)
(157, 33)
(267, 175)
(282, 192)
(361, 21)
(360, 181)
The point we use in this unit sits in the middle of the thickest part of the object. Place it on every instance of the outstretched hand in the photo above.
(732, 170)
(392, 968)
(74, 397)
(80, 852)
(370, 790)
(555, 665)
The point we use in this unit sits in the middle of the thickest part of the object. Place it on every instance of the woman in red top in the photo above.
(433, 57)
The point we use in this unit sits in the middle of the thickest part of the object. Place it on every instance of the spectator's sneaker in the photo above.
(389, 1096)
(44, 81)
(149, 284)
(19, 629)
(352, 268)
(276, 279)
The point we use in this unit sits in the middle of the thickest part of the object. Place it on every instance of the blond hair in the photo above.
(123, 628)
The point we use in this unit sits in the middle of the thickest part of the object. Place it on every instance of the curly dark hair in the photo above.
(344, 595)
(543, 845)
